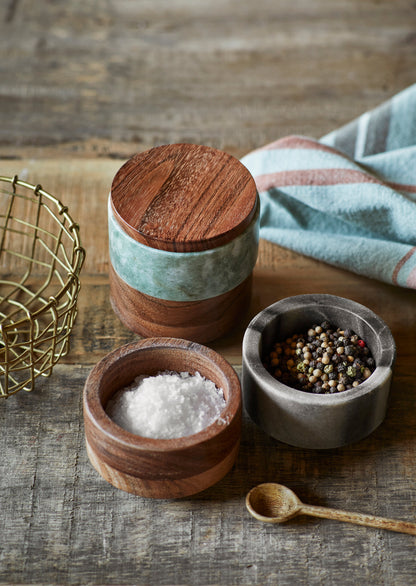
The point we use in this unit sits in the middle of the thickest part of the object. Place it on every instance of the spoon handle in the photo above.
(359, 519)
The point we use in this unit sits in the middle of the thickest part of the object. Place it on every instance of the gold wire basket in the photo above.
(40, 261)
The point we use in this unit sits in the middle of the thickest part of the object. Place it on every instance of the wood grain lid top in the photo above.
(183, 197)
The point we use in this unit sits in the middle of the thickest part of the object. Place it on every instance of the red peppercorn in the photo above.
(361, 343)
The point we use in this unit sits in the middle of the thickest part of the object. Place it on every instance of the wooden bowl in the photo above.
(161, 468)
(308, 420)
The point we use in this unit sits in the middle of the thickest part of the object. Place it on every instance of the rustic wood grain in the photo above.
(84, 86)
(115, 78)
(64, 524)
(183, 198)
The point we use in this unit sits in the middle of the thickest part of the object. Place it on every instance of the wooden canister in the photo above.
(183, 236)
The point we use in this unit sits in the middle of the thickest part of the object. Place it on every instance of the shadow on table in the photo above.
(355, 470)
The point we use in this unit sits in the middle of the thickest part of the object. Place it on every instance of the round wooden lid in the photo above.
(183, 197)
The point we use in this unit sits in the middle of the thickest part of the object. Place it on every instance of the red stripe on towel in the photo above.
(400, 264)
(401, 187)
(303, 142)
(313, 177)
(300, 142)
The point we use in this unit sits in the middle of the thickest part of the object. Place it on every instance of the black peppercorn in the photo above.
(322, 360)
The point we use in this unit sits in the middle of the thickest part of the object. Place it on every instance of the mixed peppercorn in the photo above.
(323, 360)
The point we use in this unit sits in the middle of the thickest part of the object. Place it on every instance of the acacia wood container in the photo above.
(183, 233)
(161, 468)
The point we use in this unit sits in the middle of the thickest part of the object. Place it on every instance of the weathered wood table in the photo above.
(83, 86)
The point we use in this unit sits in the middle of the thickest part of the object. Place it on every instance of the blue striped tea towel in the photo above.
(348, 199)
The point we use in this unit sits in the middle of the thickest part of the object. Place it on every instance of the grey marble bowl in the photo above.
(304, 419)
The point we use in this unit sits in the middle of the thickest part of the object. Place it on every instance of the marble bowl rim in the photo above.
(275, 388)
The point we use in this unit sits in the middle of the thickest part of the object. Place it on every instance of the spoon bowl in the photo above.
(274, 503)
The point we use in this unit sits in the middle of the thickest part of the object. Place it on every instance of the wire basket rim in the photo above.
(79, 251)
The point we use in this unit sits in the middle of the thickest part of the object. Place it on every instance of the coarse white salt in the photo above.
(167, 405)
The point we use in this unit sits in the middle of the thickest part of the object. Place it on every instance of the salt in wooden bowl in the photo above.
(161, 468)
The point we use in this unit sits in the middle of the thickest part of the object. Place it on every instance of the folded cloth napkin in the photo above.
(348, 199)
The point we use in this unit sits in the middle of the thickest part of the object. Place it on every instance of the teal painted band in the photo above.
(183, 276)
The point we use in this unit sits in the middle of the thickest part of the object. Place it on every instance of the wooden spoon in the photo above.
(275, 503)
